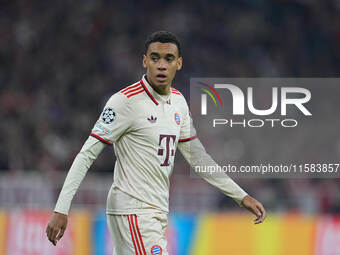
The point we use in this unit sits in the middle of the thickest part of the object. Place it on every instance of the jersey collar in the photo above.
(153, 95)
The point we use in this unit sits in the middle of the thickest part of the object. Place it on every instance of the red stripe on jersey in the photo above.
(130, 87)
(134, 231)
(132, 90)
(136, 93)
(100, 139)
(132, 236)
(140, 236)
(187, 139)
(148, 92)
(175, 91)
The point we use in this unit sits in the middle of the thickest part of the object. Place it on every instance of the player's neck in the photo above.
(164, 91)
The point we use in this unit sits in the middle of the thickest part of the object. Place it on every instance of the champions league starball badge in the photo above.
(108, 115)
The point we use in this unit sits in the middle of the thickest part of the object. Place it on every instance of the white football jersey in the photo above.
(144, 128)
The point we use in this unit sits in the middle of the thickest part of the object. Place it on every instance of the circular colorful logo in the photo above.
(156, 250)
(177, 118)
(108, 115)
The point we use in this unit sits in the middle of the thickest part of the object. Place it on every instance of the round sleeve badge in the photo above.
(108, 115)
(177, 119)
(156, 250)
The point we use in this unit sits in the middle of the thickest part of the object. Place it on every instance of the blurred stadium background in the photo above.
(61, 60)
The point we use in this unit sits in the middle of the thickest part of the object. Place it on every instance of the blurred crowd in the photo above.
(61, 60)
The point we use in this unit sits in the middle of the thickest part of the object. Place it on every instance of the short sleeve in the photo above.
(114, 121)
(188, 131)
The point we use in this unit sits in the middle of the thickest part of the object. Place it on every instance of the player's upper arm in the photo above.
(113, 121)
(187, 131)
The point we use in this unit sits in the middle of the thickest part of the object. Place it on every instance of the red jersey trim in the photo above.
(100, 139)
(175, 91)
(139, 235)
(136, 93)
(135, 234)
(132, 236)
(132, 90)
(130, 87)
(148, 92)
(187, 139)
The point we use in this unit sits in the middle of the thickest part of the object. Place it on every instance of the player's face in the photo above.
(161, 62)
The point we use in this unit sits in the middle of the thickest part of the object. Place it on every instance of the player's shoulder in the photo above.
(178, 96)
(124, 96)
(132, 91)
(175, 92)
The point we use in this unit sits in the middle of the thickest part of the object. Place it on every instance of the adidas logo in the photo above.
(152, 119)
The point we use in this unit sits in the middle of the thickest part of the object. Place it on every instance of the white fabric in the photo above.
(138, 234)
(195, 154)
(89, 152)
(145, 129)
(145, 148)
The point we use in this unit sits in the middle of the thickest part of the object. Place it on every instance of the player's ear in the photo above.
(144, 61)
(179, 63)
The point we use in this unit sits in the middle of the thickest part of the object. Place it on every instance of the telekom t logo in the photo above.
(168, 152)
(239, 101)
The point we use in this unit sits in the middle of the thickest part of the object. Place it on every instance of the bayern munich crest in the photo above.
(177, 118)
(156, 250)
(108, 115)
